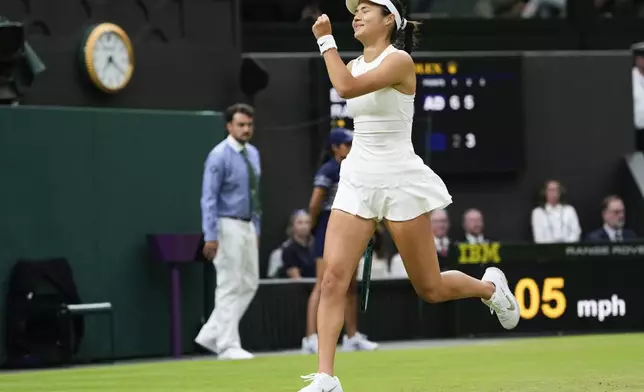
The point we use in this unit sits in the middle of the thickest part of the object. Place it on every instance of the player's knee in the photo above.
(431, 294)
(334, 282)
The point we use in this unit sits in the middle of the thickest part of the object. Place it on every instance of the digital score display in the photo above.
(468, 113)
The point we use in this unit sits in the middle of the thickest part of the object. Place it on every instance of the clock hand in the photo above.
(107, 63)
(117, 66)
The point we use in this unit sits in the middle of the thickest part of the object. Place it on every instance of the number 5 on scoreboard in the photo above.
(541, 300)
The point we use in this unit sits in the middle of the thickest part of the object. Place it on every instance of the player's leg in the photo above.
(415, 243)
(310, 341)
(346, 240)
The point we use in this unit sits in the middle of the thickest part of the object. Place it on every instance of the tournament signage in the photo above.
(619, 250)
(479, 253)
(495, 252)
(562, 287)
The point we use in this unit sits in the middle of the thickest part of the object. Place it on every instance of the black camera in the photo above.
(19, 64)
(12, 52)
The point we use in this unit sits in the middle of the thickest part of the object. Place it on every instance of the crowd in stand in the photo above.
(552, 221)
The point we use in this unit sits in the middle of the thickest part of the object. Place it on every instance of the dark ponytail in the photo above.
(410, 37)
(407, 38)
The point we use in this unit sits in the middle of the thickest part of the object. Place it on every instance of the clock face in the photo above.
(111, 60)
(108, 57)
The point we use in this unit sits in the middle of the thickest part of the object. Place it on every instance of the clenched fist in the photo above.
(322, 26)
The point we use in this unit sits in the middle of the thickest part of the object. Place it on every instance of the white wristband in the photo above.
(326, 42)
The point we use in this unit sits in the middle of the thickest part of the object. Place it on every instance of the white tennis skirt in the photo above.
(399, 197)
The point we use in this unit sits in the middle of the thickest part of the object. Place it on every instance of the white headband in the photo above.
(401, 22)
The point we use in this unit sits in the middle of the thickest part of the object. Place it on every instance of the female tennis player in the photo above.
(325, 186)
(383, 179)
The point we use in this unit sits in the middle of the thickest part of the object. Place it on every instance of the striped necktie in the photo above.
(255, 206)
(619, 237)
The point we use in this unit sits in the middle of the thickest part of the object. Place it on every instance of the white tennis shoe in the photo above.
(358, 342)
(503, 302)
(310, 344)
(321, 382)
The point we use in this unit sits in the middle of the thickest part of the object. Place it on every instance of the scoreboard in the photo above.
(468, 113)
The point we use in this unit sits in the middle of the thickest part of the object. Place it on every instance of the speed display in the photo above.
(468, 113)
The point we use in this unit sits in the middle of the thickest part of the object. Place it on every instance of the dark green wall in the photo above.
(88, 185)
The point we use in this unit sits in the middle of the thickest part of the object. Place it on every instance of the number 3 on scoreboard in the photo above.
(541, 300)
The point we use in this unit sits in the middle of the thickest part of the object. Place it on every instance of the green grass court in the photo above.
(561, 364)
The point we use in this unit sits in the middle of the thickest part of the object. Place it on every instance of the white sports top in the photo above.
(382, 131)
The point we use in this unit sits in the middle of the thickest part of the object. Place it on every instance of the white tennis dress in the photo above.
(382, 177)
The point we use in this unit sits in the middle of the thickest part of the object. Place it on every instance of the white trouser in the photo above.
(237, 265)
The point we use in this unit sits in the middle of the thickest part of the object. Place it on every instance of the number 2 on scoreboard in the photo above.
(541, 299)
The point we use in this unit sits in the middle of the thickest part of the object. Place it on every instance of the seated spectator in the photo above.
(379, 263)
(298, 254)
(440, 228)
(554, 220)
(275, 262)
(613, 214)
(473, 226)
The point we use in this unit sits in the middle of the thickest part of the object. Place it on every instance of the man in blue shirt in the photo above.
(231, 215)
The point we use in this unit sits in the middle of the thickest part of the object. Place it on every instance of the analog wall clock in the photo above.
(107, 57)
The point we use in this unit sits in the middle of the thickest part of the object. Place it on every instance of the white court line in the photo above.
(408, 345)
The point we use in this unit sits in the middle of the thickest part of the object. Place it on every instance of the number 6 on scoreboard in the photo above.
(541, 300)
